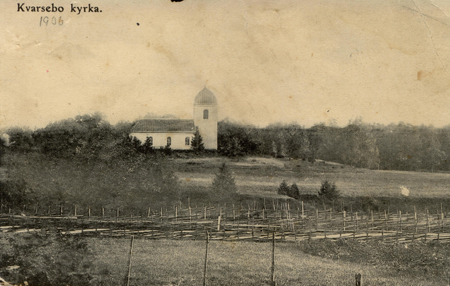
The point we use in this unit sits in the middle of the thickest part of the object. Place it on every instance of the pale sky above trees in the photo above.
(266, 61)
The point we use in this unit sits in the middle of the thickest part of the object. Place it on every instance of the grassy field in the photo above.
(166, 262)
(262, 176)
(94, 261)
(173, 262)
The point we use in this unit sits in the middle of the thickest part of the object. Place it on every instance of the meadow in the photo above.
(180, 262)
(262, 176)
(244, 263)
(172, 262)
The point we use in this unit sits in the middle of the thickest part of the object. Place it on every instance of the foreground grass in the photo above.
(77, 260)
(166, 262)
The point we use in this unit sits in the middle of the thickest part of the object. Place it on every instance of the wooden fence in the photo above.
(237, 223)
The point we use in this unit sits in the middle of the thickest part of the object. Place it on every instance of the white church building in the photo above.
(178, 133)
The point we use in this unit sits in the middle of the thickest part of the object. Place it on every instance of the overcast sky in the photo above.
(266, 61)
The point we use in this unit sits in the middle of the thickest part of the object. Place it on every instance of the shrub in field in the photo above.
(328, 191)
(291, 191)
(224, 184)
(283, 189)
(294, 192)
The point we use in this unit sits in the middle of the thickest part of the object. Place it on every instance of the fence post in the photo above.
(317, 219)
(303, 211)
(367, 229)
(234, 214)
(343, 218)
(272, 269)
(358, 279)
(371, 217)
(206, 259)
(129, 261)
(439, 230)
(415, 220)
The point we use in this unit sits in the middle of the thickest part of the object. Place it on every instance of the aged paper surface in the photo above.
(267, 62)
(309, 62)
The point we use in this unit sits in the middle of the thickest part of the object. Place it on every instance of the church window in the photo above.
(205, 114)
(187, 141)
(169, 141)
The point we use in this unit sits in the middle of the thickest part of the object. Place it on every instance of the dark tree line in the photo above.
(393, 147)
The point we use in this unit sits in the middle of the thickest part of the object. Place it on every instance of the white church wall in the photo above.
(178, 139)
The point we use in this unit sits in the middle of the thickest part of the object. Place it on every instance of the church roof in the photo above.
(205, 97)
(163, 125)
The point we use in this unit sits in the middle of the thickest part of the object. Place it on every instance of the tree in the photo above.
(147, 147)
(3, 144)
(297, 142)
(294, 192)
(197, 143)
(235, 140)
(224, 184)
(283, 189)
(328, 191)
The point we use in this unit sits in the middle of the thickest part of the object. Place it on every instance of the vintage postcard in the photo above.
(190, 142)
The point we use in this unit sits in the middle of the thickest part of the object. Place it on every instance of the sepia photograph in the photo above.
(193, 142)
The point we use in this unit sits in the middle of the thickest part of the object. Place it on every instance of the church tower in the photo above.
(205, 117)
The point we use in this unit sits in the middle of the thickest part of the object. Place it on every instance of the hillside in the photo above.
(261, 176)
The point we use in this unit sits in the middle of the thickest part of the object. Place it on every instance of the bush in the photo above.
(167, 150)
(224, 184)
(328, 191)
(294, 192)
(283, 189)
(291, 191)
